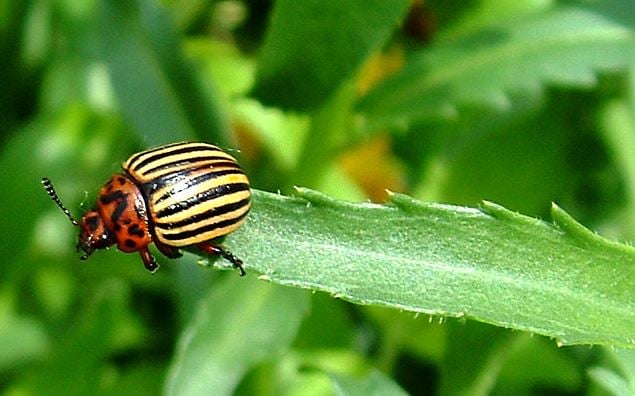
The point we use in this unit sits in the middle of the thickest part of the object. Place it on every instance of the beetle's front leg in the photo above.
(148, 260)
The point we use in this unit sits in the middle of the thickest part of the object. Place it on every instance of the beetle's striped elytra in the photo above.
(178, 195)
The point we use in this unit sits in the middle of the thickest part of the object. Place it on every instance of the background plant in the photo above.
(518, 103)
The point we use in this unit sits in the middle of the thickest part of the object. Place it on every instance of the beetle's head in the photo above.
(93, 234)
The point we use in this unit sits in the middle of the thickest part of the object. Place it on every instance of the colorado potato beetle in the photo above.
(180, 195)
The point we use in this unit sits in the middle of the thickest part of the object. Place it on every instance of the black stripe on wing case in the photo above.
(193, 181)
(198, 199)
(136, 156)
(161, 153)
(201, 230)
(209, 214)
(217, 161)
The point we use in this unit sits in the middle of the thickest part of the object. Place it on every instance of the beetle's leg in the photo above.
(217, 250)
(148, 260)
(169, 251)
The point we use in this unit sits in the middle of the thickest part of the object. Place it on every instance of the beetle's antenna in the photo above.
(50, 190)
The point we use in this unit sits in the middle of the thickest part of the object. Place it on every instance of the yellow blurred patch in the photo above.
(380, 66)
(247, 140)
(374, 168)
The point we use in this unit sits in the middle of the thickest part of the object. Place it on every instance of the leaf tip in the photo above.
(495, 210)
(570, 226)
(403, 201)
(299, 190)
(583, 235)
(314, 197)
(264, 277)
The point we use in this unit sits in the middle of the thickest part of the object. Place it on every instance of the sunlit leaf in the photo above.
(564, 46)
(488, 264)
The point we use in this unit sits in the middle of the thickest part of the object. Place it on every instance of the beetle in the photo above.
(180, 195)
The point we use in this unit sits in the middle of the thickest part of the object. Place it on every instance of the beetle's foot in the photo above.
(238, 263)
(148, 260)
(217, 250)
(152, 266)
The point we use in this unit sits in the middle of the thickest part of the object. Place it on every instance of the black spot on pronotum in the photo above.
(122, 203)
(121, 181)
(134, 230)
(121, 207)
(108, 185)
(114, 196)
(130, 243)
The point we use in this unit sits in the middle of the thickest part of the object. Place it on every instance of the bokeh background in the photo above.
(444, 102)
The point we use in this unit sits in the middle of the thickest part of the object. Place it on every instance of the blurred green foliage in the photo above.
(520, 103)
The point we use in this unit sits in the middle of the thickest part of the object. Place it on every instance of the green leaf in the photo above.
(77, 361)
(305, 383)
(617, 123)
(340, 333)
(565, 46)
(474, 358)
(473, 165)
(313, 46)
(619, 379)
(21, 339)
(610, 381)
(536, 363)
(154, 83)
(374, 383)
(492, 265)
(626, 360)
(239, 324)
